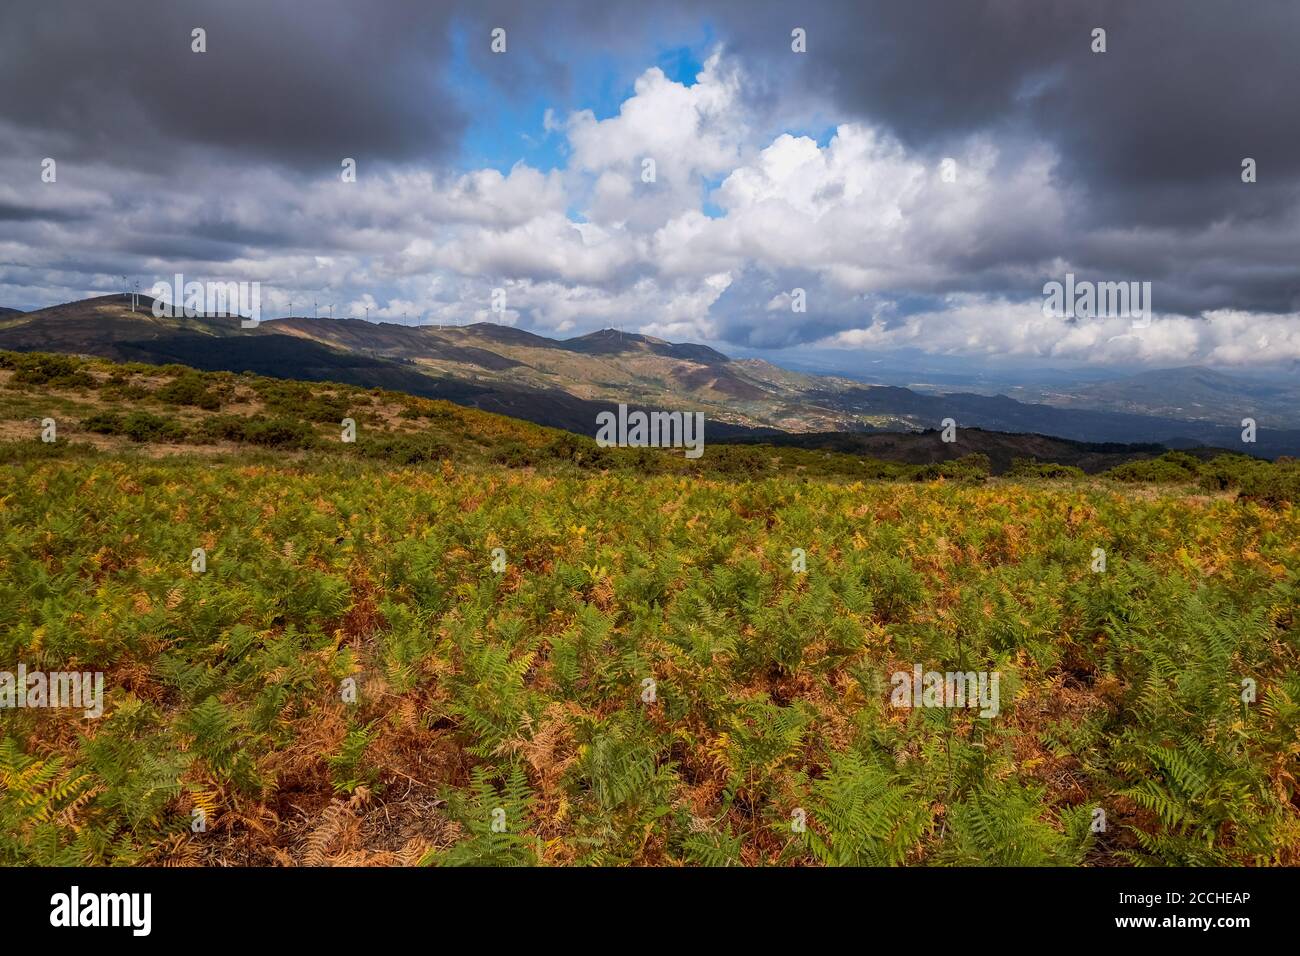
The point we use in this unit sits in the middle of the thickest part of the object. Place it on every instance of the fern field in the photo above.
(430, 665)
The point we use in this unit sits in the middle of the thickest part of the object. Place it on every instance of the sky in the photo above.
(917, 172)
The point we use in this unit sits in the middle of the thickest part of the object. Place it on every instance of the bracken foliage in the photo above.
(648, 679)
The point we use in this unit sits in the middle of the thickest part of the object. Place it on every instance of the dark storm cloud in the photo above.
(298, 83)
(12, 212)
(1185, 90)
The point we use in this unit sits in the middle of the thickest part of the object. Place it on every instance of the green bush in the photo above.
(143, 427)
(57, 371)
(189, 390)
(406, 449)
(221, 428)
(877, 469)
(1172, 467)
(1032, 468)
(515, 454)
(733, 461)
(975, 467)
(1274, 485)
(1228, 471)
(105, 423)
(137, 426)
(773, 686)
(325, 408)
(581, 451)
(302, 400)
(284, 433)
(124, 392)
(279, 433)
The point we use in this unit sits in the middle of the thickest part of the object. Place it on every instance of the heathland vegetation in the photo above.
(468, 639)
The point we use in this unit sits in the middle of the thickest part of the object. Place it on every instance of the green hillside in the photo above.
(468, 639)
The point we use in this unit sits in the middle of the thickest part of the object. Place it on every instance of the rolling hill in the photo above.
(171, 408)
(566, 383)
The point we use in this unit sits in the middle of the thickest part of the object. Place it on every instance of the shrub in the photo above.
(1032, 468)
(137, 426)
(406, 450)
(303, 400)
(1172, 467)
(975, 467)
(57, 371)
(880, 470)
(1272, 485)
(579, 450)
(105, 423)
(189, 389)
(515, 454)
(1228, 471)
(284, 433)
(325, 408)
(279, 433)
(143, 427)
(124, 392)
(733, 461)
(222, 428)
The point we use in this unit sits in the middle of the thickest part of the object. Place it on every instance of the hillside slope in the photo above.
(172, 408)
(567, 383)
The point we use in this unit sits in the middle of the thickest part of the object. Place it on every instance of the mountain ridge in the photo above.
(566, 382)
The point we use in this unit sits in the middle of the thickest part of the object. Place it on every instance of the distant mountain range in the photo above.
(565, 383)
(1191, 393)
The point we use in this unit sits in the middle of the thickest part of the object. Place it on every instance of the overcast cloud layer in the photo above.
(774, 170)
